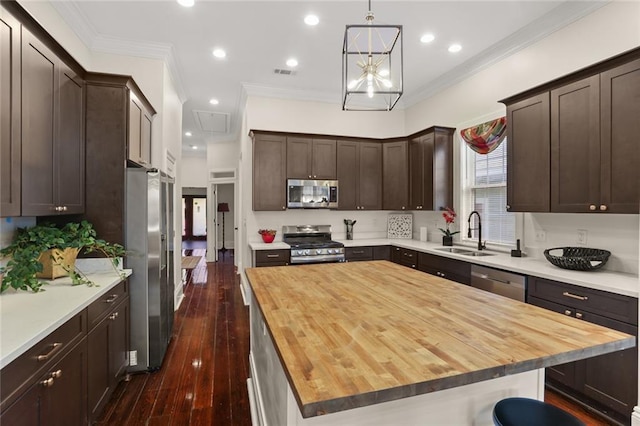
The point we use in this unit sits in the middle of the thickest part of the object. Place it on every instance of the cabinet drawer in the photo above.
(19, 374)
(106, 302)
(610, 305)
(405, 257)
(358, 253)
(452, 269)
(272, 257)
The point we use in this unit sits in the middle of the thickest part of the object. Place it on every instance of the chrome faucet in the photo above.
(481, 245)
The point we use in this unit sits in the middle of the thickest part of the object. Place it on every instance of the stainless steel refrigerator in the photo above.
(149, 243)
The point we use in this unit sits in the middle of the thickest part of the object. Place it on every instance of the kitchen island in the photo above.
(377, 343)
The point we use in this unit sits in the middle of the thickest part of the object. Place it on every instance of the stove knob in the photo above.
(307, 252)
(331, 251)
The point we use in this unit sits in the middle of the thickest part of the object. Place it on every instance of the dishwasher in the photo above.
(507, 284)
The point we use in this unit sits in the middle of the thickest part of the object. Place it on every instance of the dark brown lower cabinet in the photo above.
(355, 254)
(272, 258)
(607, 383)
(108, 356)
(405, 257)
(57, 397)
(451, 269)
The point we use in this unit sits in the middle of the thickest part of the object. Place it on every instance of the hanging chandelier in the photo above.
(371, 66)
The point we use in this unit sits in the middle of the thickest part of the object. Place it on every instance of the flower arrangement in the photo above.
(449, 218)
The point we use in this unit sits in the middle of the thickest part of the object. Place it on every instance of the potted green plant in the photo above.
(46, 251)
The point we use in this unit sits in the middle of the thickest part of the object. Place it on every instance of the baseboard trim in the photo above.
(635, 416)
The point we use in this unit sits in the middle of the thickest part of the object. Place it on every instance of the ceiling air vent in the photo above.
(284, 72)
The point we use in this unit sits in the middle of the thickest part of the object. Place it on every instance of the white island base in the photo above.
(273, 404)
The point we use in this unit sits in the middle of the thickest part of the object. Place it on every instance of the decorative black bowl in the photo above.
(578, 258)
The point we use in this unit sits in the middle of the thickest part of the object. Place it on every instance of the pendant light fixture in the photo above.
(371, 66)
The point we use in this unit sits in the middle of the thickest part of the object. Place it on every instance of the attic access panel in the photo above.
(212, 122)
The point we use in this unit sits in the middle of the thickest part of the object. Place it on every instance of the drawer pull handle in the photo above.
(56, 374)
(111, 298)
(271, 256)
(358, 252)
(46, 356)
(113, 316)
(575, 296)
(567, 312)
(47, 383)
(578, 315)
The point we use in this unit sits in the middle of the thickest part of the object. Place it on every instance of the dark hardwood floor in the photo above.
(203, 377)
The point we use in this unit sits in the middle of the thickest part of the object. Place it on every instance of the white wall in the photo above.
(607, 32)
(194, 172)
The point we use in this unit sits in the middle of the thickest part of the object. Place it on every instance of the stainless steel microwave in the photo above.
(312, 194)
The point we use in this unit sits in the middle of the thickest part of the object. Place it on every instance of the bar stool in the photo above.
(531, 412)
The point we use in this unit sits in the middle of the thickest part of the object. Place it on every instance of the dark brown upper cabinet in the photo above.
(529, 155)
(431, 169)
(52, 132)
(10, 140)
(269, 171)
(359, 175)
(108, 143)
(140, 117)
(586, 158)
(311, 158)
(395, 170)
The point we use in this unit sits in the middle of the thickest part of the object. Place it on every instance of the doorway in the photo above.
(194, 214)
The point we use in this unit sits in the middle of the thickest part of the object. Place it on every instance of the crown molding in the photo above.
(563, 15)
(96, 42)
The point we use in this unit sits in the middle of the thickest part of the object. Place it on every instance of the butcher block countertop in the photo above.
(355, 334)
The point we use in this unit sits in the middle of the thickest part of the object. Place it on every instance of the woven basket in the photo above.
(53, 261)
(578, 258)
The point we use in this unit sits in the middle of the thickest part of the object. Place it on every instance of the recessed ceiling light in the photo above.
(186, 3)
(427, 38)
(455, 48)
(311, 20)
(194, 147)
(219, 53)
(292, 62)
(187, 133)
(214, 101)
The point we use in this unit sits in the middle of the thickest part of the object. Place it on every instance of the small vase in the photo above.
(268, 238)
(56, 262)
(447, 241)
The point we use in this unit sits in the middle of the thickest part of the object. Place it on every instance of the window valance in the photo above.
(485, 137)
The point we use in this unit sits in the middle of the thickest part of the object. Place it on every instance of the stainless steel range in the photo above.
(312, 244)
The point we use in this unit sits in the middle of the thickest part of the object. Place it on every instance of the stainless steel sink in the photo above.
(454, 250)
(477, 253)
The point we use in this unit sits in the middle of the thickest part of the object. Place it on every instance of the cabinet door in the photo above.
(323, 159)
(39, 84)
(616, 387)
(136, 112)
(269, 172)
(145, 139)
(442, 163)
(98, 368)
(299, 152)
(382, 253)
(417, 173)
(395, 176)
(620, 127)
(529, 155)
(9, 115)
(119, 342)
(575, 146)
(25, 410)
(370, 176)
(70, 143)
(347, 160)
(64, 402)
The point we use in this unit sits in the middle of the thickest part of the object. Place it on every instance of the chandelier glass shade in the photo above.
(371, 66)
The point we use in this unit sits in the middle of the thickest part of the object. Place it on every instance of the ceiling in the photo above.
(259, 36)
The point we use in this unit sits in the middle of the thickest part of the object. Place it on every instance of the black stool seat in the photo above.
(531, 412)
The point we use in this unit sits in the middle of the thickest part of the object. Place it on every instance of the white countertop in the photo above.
(27, 317)
(614, 282)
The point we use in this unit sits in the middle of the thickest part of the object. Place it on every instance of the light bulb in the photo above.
(370, 91)
(369, 77)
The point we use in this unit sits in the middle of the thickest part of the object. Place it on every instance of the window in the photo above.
(485, 190)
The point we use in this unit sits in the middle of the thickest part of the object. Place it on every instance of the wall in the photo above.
(194, 172)
(608, 31)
